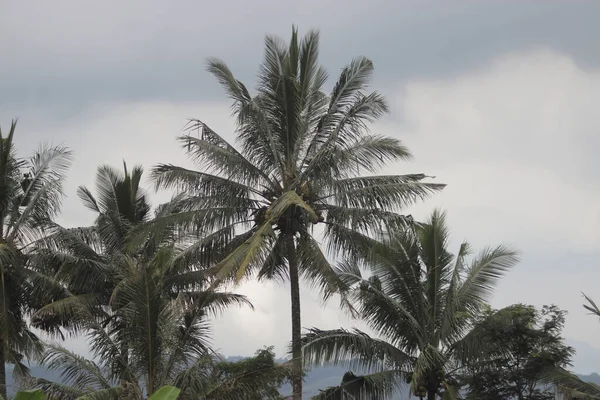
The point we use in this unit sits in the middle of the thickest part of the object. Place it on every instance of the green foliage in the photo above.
(524, 345)
(30, 197)
(422, 301)
(144, 308)
(206, 378)
(30, 395)
(166, 393)
(254, 378)
(305, 159)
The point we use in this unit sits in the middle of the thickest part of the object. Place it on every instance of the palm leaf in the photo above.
(352, 349)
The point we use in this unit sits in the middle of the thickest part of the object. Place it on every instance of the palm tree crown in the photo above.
(421, 300)
(143, 308)
(87, 261)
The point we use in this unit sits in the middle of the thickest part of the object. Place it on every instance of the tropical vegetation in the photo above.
(525, 345)
(298, 195)
(305, 160)
(421, 301)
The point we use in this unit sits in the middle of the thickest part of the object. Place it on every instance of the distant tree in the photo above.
(524, 346)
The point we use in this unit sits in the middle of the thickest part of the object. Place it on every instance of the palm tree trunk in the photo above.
(2, 371)
(296, 319)
(431, 396)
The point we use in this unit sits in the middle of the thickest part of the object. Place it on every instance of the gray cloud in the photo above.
(79, 53)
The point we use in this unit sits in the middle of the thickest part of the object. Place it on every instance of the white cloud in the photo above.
(516, 144)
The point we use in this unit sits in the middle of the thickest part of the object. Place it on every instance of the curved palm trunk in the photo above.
(296, 319)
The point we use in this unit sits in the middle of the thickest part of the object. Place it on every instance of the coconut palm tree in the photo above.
(87, 260)
(81, 258)
(304, 160)
(421, 301)
(30, 196)
(165, 313)
(93, 263)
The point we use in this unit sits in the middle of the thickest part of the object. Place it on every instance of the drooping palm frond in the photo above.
(569, 383)
(591, 306)
(75, 370)
(353, 349)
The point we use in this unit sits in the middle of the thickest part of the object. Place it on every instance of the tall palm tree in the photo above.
(30, 196)
(302, 162)
(421, 301)
(165, 313)
(91, 262)
(85, 261)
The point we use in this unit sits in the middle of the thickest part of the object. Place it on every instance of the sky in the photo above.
(497, 99)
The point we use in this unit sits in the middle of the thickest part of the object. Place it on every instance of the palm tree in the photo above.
(81, 258)
(421, 300)
(165, 329)
(302, 162)
(92, 263)
(30, 196)
(87, 261)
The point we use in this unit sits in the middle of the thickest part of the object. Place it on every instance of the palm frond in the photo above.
(255, 248)
(391, 193)
(171, 176)
(213, 152)
(483, 274)
(316, 269)
(88, 199)
(352, 349)
(236, 90)
(591, 306)
(80, 373)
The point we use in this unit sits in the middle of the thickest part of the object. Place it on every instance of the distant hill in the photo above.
(36, 370)
(591, 378)
(317, 379)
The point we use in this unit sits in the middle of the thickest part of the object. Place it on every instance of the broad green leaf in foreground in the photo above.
(166, 393)
(30, 395)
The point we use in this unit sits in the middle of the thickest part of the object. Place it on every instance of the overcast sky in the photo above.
(498, 99)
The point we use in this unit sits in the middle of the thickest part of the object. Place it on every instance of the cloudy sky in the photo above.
(498, 99)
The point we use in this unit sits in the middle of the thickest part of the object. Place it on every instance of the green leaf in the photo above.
(166, 393)
(30, 395)
(287, 200)
(239, 259)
